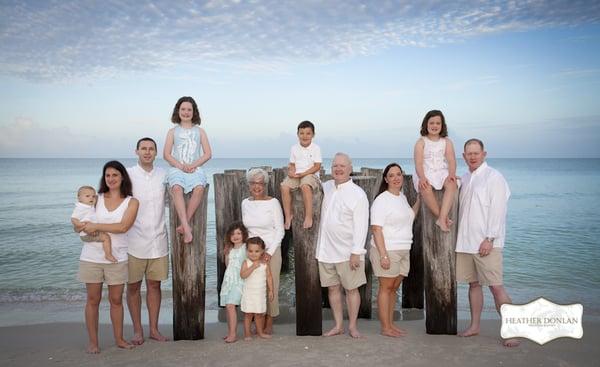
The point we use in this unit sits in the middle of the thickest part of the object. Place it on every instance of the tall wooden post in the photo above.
(367, 183)
(188, 268)
(440, 271)
(413, 286)
(309, 317)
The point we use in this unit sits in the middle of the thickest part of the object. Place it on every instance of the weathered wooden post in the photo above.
(440, 271)
(412, 285)
(367, 183)
(230, 190)
(188, 268)
(309, 316)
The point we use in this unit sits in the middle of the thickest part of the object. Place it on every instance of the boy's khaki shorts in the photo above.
(111, 274)
(399, 263)
(487, 270)
(153, 269)
(294, 183)
(340, 273)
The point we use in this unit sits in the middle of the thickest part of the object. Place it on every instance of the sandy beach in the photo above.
(62, 344)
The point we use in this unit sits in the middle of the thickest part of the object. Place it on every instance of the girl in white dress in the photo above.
(435, 163)
(257, 281)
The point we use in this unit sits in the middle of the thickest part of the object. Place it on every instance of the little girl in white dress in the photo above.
(257, 282)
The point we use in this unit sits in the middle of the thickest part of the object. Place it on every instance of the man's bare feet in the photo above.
(123, 344)
(179, 229)
(471, 331)
(354, 333)
(111, 258)
(288, 223)
(264, 336)
(307, 223)
(158, 337)
(92, 349)
(333, 332)
(390, 332)
(231, 339)
(511, 343)
(138, 339)
(402, 332)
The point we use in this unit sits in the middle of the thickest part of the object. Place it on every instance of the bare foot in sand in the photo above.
(111, 258)
(264, 336)
(307, 223)
(511, 343)
(354, 333)
(158, 337)
(390, 332)
(333, 332)
(138, 339)
(247, 338)
(92, 349)
(288, 223)
(123, 344)
(471, 331)
(179, 229)
(402, 332)
(231, 339)
(268, 331)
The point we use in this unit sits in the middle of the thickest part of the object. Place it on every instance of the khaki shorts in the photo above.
(294, 183)
(111, 274)
(340, 273)
(275, 265)
(399, 263)
(487, 270)
(154, 269)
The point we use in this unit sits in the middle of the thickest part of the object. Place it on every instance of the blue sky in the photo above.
(86, 79)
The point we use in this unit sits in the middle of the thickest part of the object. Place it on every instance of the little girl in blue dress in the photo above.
(231, 288)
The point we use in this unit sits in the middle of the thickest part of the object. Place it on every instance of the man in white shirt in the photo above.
(147, 241)
(481, 232)
(341, 243)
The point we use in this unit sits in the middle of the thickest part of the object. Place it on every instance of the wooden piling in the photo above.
(188, 269)
(413, 286)
(308, 286)
(440, 271)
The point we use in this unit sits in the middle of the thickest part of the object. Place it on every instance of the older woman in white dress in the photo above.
(263, 217)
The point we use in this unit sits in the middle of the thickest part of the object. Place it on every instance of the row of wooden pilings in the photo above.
(432, 260)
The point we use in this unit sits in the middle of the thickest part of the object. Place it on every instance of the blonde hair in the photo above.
(83, 188)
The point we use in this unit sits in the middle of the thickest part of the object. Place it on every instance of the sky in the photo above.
(88, 78)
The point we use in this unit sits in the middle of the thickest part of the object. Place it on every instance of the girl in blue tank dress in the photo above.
(186, 150)
(231, 288)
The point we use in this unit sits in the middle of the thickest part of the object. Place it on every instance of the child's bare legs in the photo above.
(286, 198)
(194, 202)
(307, 198)
(247, 322)
(449, 191)
(231, 324)
(177, 195)
(430, 201)
(106, 247)
(259, 319)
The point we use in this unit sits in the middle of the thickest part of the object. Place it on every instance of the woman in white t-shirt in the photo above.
(116, 210)
(391, 223)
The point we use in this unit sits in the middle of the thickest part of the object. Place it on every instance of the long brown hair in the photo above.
(429, 115)
(227, 240)
(384, 185)
(196, 114)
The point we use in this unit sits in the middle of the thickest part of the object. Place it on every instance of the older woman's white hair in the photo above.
(255, 173)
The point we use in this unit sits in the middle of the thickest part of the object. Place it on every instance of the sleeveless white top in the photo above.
(92, 251)
(435, 165)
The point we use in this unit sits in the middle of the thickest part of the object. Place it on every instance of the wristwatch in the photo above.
(490, 239)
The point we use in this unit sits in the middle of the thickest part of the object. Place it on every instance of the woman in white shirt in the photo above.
(263, 217)
(116, 210)
(391, 223)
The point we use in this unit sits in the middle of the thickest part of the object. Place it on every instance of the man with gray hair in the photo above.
(341, 243)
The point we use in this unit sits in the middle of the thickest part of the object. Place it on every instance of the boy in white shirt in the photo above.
(303, 172)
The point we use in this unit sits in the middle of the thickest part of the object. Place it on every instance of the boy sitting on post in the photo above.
(303, 172)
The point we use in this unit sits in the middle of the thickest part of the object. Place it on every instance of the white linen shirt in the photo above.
(148, 235)
(482, 209)
(264, 218)
(395, 216)
(344, 222)
(304, 158)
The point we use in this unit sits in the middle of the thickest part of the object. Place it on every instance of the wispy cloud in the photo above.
(53, 41)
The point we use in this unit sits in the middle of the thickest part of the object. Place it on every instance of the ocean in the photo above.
(552, 247)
